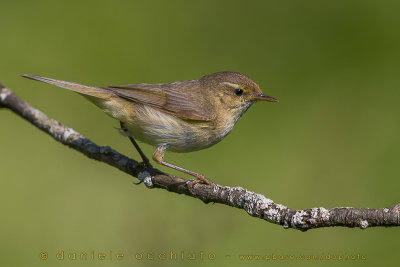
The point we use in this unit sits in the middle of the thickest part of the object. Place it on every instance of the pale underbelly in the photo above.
(158, 128)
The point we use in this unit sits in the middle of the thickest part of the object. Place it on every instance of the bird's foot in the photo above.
(200, 179)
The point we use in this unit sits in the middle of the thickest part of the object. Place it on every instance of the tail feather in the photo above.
(97, 92)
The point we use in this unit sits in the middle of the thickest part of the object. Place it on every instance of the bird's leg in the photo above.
(158, 157)
(142, 155)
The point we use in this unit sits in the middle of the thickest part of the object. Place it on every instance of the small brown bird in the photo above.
(180, 116)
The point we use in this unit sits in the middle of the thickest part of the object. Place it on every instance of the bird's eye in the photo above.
(239, 91)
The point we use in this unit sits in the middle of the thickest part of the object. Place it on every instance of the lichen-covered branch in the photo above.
(254, 204)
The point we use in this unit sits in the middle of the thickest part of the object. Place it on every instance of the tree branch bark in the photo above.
(254, 204)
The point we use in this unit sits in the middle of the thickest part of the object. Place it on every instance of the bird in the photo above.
(181, 116)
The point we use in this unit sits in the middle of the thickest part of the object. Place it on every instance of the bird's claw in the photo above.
(192, 182)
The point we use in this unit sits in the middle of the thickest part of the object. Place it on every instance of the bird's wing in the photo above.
(166, 98)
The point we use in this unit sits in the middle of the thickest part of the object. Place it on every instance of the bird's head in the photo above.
(233, 91)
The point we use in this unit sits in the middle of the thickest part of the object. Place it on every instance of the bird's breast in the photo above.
(156, 127)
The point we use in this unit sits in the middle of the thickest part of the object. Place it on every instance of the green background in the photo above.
(333, 140)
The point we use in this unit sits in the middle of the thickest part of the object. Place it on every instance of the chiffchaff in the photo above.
(180, 116)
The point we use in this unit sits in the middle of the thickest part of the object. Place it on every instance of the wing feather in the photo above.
(173, 98)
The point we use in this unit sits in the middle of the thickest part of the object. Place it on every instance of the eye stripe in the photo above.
(234, 85)
(237, 88)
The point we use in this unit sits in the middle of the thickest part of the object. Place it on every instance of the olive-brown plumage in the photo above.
(180, 116)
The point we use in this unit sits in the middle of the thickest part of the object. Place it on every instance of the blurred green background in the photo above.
(333, 140)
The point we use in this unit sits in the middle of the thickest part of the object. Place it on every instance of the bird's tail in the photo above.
(97, 92)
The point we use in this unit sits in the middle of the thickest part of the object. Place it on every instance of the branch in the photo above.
(254, 204)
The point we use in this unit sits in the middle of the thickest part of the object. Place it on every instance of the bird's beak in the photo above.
(262, 97)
